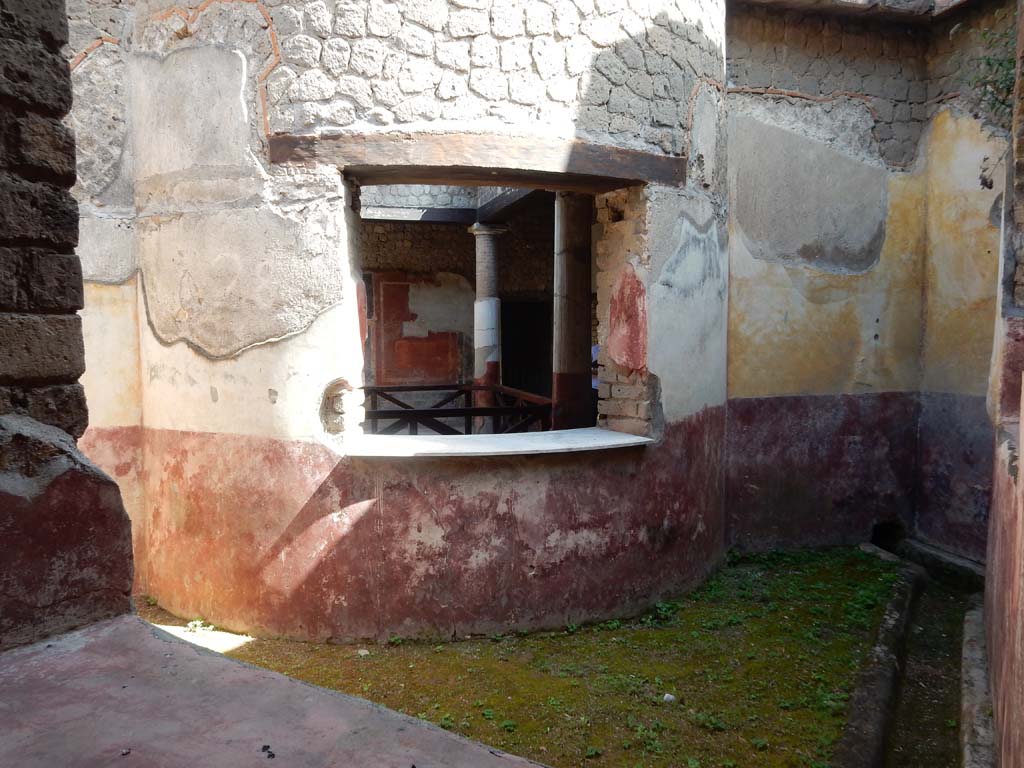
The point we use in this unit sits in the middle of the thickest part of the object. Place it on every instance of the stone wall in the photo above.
(525, 263)
(66, 558)
(417, 247)
(624, 392)
(1004, 577)
(419, 196)
(956, 44)
(41, 351)
(600, 69)
(850, 66)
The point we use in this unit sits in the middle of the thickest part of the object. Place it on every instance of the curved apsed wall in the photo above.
(236, 292)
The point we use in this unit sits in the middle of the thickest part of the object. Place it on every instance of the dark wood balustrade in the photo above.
(513, 411)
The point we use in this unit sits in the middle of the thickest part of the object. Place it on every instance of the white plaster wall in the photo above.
(687, 301)
(110, 322)
(273, 390)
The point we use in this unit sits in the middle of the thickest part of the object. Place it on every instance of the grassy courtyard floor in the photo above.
(760, 661)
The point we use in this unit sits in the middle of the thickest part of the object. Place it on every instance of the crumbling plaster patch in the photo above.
(101, 122)
(797, 200)
(446, 304)
(231, 255)
(228, 280)
(106, 246)
(176, 389)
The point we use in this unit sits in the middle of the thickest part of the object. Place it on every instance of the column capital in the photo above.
(488, 229)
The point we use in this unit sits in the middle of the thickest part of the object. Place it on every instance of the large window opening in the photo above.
(479, 309)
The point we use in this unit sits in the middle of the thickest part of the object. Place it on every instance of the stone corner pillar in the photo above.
(570, 364)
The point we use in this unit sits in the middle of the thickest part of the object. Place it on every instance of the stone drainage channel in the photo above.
(923, 700)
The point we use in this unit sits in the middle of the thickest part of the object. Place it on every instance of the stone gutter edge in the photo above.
(873, 703)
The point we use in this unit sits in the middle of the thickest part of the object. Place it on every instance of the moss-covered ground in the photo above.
(760, 660)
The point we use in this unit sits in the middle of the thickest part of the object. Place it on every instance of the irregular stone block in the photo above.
(44, 20)
(38, 280)
(67, 554)
(60, 405)
(41, 347)
(36, 142)
(37, 212)
(35, 77)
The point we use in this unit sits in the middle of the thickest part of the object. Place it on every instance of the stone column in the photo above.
(487, 310)
(570, 386)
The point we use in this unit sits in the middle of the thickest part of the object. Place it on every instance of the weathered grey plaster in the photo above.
(196, 116)
(106, 246)
(795, 199)
(100, 120)
(844, 124)
(226, 280)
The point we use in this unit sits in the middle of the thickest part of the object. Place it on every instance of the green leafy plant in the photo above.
(197, 625)
(995, 74)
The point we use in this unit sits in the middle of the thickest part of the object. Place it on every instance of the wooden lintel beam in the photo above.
(481, 160)
(440, 215)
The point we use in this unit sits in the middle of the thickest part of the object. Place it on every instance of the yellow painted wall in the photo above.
(795, 329)
(962, 266)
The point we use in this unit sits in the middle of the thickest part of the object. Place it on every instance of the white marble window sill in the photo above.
(521, 444)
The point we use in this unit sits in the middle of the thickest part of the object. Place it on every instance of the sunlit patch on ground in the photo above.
(196, 632)
(755, 668)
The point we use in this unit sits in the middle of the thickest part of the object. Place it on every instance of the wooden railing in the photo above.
(513, 411)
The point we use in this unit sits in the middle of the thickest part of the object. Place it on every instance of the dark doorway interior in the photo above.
(526, 345)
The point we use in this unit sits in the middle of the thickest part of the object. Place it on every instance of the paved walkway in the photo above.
(123, 693)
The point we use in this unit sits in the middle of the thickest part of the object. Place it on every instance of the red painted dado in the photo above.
(819, 470)
(118, 452)
(1004, 608)
(284, 538)
(1011, 366)
(627, 334)
(66, 552)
